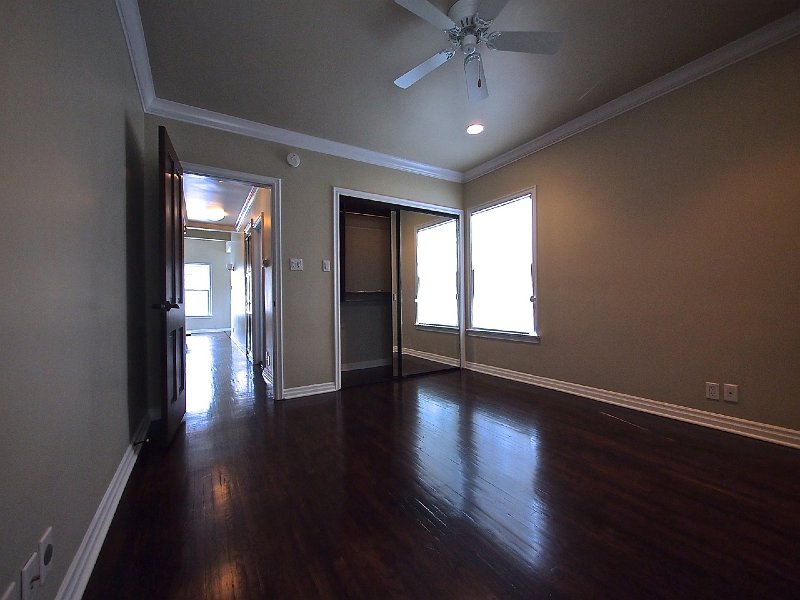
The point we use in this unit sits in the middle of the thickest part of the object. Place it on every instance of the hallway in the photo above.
(455, 485)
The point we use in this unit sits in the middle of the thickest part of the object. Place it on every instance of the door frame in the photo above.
(274, 184)
(254, 236)
(401, 202)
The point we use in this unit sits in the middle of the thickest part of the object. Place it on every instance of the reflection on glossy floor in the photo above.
(412, 365)
(456, 485)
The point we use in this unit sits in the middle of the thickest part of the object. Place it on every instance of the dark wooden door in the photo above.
(173, 215)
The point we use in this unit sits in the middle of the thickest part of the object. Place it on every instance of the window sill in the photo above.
(504, 335)
(438, 328)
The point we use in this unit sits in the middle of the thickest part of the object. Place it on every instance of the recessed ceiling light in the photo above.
(475, 129)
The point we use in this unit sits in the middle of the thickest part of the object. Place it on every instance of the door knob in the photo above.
(166, 306)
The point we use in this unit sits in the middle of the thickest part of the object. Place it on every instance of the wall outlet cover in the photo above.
(731, 393)
(712, 390)
(46, 550)
(29, 578)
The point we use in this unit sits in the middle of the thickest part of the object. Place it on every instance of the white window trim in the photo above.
(439, 328)
(432, 326)
(210, 314)
(491, 333)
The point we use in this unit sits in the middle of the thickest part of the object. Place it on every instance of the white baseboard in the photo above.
(309, 390)
(236, 343)
(266, 375)
(366, 364)
(79, 571)
(223, 330)
(448, 360)
(753, 429)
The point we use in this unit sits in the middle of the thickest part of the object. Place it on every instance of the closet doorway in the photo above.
(398, 290)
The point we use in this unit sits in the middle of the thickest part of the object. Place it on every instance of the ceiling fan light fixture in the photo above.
(476, 80)
(467, 25)
(469, 43)
(475, 128)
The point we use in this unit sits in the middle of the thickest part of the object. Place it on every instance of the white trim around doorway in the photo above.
(275, 185)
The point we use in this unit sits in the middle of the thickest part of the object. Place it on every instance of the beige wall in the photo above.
(669, 246)
(71, 312)
(668, 254)
(307, 226)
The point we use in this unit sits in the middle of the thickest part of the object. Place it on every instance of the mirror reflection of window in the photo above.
(437, 275)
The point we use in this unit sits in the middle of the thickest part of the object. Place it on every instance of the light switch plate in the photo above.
(326, 265)
(295, 264)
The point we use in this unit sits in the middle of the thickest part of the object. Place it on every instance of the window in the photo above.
(502, 263)
(198, 289)
(437, 275)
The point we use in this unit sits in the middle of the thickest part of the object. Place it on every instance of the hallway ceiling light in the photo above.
(474, 128)
(208, 213)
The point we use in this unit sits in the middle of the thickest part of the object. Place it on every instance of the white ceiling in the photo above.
(326, 68)
(202, 193)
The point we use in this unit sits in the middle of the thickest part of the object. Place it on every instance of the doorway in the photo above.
(398, 295)
(253, 247)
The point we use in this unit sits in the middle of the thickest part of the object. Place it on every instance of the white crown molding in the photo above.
(753, 43)
(308, 390)
(753, 429)
(132, 28)
(209, 226)
(80, 569)
(215, 120)
(137, 47)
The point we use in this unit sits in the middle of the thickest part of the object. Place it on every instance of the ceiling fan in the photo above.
(467, 25)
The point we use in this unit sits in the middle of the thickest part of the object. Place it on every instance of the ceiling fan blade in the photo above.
(414, 75)
(425, 10)
(489, 9)
(476, 81)
(533, 42)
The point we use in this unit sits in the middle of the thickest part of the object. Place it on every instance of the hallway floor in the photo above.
(454, 485)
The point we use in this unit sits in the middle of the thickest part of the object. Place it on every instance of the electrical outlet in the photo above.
(46, 550)
(11, 592)
(712, 390)
(326, 265)
(29, 578)
(731, 393)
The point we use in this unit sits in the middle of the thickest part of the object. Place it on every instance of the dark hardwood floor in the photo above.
(412, 365)
(454, 485)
